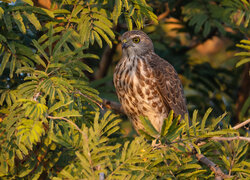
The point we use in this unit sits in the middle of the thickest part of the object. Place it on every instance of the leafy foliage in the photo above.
(238, 11)
(207, 16)
(245, 44)
(199, 14)
(52, 125)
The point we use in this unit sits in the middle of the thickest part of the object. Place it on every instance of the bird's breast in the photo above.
(136, 89)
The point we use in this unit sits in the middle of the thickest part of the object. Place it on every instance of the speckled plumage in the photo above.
(146, 84)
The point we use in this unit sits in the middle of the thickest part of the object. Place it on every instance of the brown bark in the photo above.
(212, 166)
(106, 60)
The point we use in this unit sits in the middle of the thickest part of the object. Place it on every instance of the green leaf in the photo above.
(98, 38)
(37, 173)
(247, 47)
(50, 36)
(148, 126)
(243, 61)
(61, 42)
(12, 66)
(76, 10)
(103, 19)
(68, 113)
(2, 38)
(105, 28)
(245, 41)
(207, 28)
(247, 20)
(38, 60)
(217, 120)
(194, 119)
(219, 132)
(12, 47)
(167, 123)
(117, 11)
(240, 18)
(19, 21)
(6, 57)
(1, 12)
(85, 30)
(58, 105)
(33, 20)
(241, 170)
(40, 49)
(245, 107)
(7, 21)
(242, 54)
(204, 119)
(129, 22)
(48, 12)
(28, 167)
(105, 37)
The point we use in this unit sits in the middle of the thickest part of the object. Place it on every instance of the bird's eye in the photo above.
(136, 40)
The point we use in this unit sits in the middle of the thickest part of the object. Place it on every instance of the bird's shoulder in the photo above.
(161, 66)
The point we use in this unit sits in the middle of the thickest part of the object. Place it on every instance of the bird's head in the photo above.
(136, 43)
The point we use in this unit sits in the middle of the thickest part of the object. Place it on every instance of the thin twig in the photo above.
(230, 138)
(84, 135)
(84, 95)
(72, 123)
(70, 17)
(241, 124)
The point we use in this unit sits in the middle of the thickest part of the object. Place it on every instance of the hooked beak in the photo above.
(124, 45)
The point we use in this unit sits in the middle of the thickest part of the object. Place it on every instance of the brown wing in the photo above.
(169, 85)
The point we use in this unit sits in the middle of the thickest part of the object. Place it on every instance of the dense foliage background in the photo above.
(57, 60)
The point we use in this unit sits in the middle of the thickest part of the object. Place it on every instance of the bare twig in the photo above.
(241, 124)
(212, 166)
(84, 95)
(70, 17)
(113, 105)
(230, 138)
(72, 123)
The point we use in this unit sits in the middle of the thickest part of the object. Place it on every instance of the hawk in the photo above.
(146, 84)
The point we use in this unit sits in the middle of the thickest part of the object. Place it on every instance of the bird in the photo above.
(146, 84)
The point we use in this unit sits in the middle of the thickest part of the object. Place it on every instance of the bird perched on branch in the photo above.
(146, 84)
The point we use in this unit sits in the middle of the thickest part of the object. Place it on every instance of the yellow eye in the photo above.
(136, 40)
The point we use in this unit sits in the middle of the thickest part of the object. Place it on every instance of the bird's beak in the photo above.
(124, 44)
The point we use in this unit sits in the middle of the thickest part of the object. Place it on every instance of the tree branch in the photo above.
(241, 124)
(91, 99)
(212, 166)
(105, 61)
(72, 123)
(219, 175)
